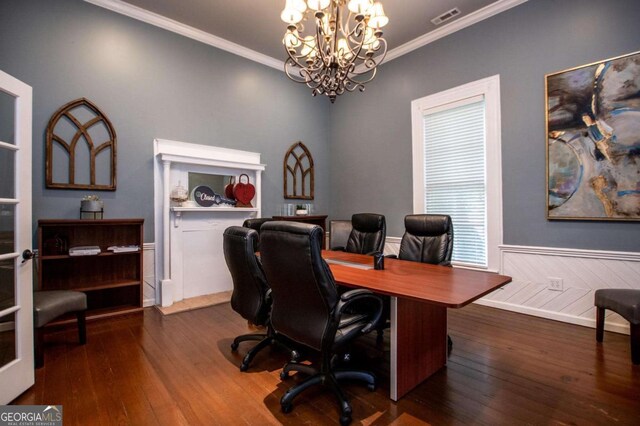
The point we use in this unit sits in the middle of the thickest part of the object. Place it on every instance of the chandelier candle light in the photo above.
(345, 46)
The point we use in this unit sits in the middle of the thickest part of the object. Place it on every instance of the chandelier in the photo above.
(342, 49)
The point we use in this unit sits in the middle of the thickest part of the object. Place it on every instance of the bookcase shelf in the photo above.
(111, 281)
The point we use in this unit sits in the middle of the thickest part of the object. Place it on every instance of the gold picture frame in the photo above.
(592, 118)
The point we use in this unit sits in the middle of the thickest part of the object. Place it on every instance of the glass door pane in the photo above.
(7, 172)
(7, 232)
(7, 339)
(7, 118)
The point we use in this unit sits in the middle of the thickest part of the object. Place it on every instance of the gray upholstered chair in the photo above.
(49, 305)
(626, 303)
(339, 231)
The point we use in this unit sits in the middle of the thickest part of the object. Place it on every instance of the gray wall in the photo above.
(370, 141)
(156, 84)
(152, 83)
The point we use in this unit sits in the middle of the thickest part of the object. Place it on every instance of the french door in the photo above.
(16, 281)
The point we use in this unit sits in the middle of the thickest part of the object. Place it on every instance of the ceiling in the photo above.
(256, 24)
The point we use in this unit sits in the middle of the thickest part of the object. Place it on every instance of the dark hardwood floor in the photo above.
(505, 369)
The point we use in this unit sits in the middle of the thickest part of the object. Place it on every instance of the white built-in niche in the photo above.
(189, 256)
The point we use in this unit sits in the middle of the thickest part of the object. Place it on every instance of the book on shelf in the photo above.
(84, 251)
(123, 249)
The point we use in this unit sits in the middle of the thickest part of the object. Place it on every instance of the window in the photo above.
(456, 167)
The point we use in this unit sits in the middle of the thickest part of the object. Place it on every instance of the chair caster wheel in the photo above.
(295, 356)
(284, 375)
(286, 408)
(371, 387)
(244, 367)
(234, 346)
(345, 420)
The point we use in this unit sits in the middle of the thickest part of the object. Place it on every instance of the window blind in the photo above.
(455, 175)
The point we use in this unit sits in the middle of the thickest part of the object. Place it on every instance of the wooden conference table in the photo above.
(421, 294)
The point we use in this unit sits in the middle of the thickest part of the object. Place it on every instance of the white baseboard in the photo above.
(556, 316)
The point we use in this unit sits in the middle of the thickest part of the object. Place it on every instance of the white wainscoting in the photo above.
(582, 272)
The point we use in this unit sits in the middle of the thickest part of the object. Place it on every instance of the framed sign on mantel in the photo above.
(593, 147)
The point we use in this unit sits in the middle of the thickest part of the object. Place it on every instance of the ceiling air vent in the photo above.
(446, 16)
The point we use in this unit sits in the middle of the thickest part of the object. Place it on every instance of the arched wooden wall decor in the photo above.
(298, 173)
(66, 120)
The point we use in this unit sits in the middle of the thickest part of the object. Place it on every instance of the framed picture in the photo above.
(593, 140)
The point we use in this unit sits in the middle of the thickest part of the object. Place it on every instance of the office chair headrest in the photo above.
(298, 228)
(368, 222)
(256, 223)
(242, 232)
(427, 225)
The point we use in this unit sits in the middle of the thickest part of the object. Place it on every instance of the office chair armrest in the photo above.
(338, 248)
(392, 256)
(360, 294)
(373, 253)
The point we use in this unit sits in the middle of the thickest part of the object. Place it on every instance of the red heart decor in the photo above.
(244, 192)
(228, 190)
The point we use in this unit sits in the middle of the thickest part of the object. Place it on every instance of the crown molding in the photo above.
(160, 21)
(457, 25)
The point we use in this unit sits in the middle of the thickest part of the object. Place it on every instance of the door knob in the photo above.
(27, 255)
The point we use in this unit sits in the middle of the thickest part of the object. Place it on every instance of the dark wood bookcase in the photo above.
(111, 281)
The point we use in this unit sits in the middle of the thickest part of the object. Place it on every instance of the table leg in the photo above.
(418, 343)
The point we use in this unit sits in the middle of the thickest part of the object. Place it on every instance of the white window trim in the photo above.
(489, 88)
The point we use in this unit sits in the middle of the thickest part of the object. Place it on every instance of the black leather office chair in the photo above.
(251, 294)
(255, 224)
(308, 309)
(368, 234)
(339, 231)
(428, 238)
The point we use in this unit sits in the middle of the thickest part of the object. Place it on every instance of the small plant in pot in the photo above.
(301, 209)
(91, 203)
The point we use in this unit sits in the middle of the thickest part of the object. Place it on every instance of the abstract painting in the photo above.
(593, 141)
